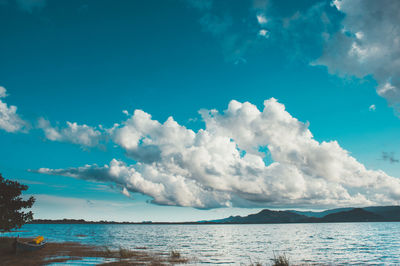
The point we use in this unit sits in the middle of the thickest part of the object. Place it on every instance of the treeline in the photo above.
(82, 221)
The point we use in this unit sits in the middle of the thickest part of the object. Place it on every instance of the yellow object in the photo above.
(38, 239)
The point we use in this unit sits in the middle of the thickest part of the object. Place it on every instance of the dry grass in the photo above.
(62, 252)
(175, 254)
(281, 260)
(126, 253)
(255, 264)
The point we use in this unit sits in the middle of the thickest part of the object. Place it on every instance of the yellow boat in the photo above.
(36, 244)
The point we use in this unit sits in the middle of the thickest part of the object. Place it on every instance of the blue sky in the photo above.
(87, 61)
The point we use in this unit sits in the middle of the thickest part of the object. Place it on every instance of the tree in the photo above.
(11, 203)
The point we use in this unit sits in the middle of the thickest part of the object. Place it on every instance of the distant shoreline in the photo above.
(343, 215)
(196, 223)
(81, 221)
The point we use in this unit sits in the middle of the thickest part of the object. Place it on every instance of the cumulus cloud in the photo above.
(351, 37)
(262, 20)
(83, 135)
(228, 163)
(368, 44)
(125, 192)
(372, 107)
(263, 33)
(9, 119)
(164, 187)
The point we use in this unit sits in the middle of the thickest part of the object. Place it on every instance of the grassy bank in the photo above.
(62, 252)
(97, 255)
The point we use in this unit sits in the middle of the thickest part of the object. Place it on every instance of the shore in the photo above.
(72, 251)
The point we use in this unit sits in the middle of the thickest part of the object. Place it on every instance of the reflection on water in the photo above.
(80, 261)
(357, 243)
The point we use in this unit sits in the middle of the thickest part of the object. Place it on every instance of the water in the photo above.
(331, 243)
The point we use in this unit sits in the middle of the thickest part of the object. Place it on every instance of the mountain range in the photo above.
(367, 214)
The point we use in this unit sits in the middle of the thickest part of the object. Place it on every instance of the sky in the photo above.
(185, 110)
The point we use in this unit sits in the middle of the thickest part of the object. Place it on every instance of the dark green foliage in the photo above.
(11, 203)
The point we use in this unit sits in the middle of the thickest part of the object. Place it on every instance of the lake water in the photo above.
(330, 243)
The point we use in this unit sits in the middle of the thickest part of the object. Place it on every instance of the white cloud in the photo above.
(261, 19)
(3, 92)
(125, 112)
(386, 88)
(369, 44)
(160, 184)
(337, 4)
(359, 35)
(83, 135)
(125, 192)
(224, 164)
(264, 33)
(372, 107)
(9, 119)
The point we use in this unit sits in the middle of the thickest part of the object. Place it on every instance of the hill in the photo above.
(368, 214)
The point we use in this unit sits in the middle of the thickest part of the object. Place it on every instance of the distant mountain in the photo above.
(389, 213)
(321, 213)
(265, 216)
(354, 215)
(368, 214)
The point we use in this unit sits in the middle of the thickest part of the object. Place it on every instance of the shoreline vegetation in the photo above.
(54, 252)
(343, 215)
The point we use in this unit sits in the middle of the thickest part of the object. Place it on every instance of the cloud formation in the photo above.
(372, 107)
(83, 135)
(9, 119)
(351, 37)
(369, 44)
(244, 157)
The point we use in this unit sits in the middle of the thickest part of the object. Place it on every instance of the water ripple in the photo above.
(341, 243)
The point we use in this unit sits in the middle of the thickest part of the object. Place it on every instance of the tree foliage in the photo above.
(11, 205)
